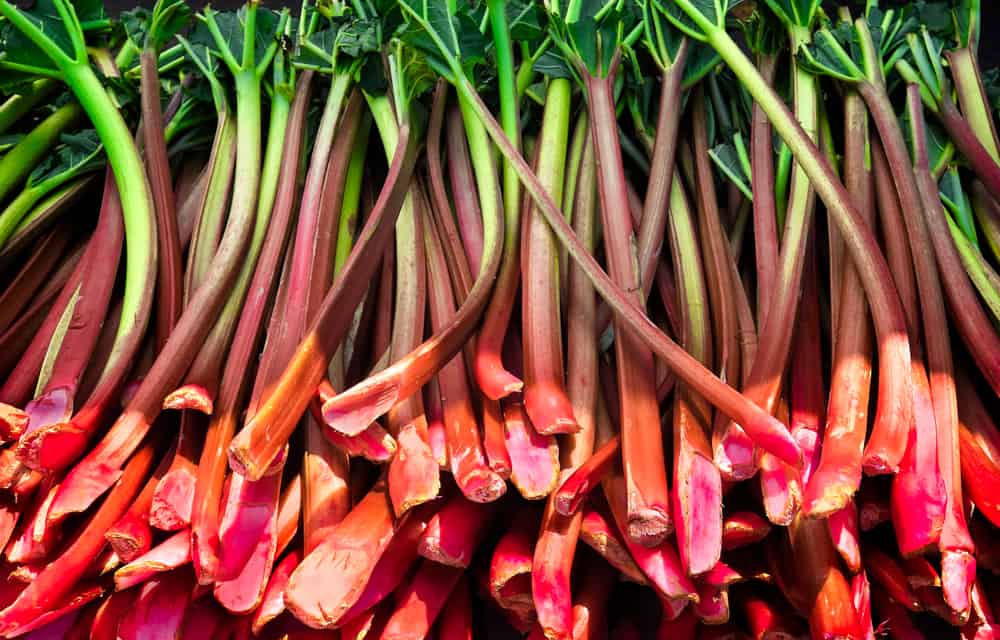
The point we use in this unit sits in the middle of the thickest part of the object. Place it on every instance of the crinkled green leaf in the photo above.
(169, 17)
(712, 11)
(76, 153)
(231, 26)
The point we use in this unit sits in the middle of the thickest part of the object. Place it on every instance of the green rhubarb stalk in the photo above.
(19, 104)
(20, 161)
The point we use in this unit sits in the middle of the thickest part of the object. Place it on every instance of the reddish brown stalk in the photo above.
(420, 602)
(896, 620)
(887, 573)
(456, 619)
(838, 474)
(742, 529)
(212, 466)
(765, 219)
(393, 566)
(57, 359)
(768, 618)
(458, 270)
(545, 397)
(557, 541)
(648, 499)
(352, 548)
(958, 564)
(918, 498)
(825, 591)
(599, 532)
(173, 497)
(170, 267)
(32, 276)
(265, 435)
(968, 144)
(465, 454)
(173, 552)
(454, 533)
(463, 190)
(578, 485)
(57, 580)
(590, 602)
(979, 443)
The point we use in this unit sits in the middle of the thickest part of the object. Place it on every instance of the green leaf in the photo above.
(688, 14)
(795, 13)
(733, 164)
(169, 17)
(553, 64)
(444, 33)
(76, 153)
(526, 20)
(830, 53)
(9, 140)
(954, 199)
(232, 25)
(20, 50)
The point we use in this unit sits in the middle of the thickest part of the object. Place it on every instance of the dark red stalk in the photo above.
(265, 435)
(590, 602)
(958, 564)
(212, 466)
(21, 333)
(61, 575)
(463, 190)
(895, 619)
(456, 621)
(578, 485)
(169, 271)
(33, 275)
(712, 607)
(838, 474)
(465, 453)
(648, 499)
(352, 548)
(767, 617)
(765, 218)
(458, 269)
(968, 144)
(887, 573)
(111, 610)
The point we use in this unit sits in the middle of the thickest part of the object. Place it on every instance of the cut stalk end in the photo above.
(193, 397)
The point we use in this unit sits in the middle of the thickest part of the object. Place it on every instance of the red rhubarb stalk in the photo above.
(979, 448)
(648, 500)
(173, 552)
(421, 601)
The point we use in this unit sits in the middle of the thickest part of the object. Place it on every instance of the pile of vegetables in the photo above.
(450, 319)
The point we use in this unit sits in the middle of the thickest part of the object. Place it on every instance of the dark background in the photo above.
(989, 55)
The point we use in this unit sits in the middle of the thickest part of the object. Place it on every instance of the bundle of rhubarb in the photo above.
(425, 319)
